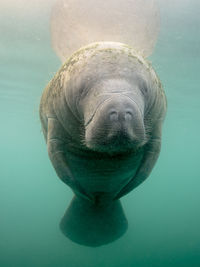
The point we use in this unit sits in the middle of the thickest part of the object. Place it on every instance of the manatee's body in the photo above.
(101, 116)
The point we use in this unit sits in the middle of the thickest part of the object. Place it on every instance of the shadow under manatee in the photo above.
(93, 225)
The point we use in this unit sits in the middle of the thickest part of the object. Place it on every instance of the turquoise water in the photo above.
(163, 212)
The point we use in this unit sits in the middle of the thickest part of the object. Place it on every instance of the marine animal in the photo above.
(102, 116)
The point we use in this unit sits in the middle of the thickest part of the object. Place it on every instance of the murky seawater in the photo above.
(163, 212)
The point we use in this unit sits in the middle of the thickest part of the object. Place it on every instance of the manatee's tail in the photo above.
(91, 225)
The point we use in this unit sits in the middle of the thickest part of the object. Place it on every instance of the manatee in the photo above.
(102, 116)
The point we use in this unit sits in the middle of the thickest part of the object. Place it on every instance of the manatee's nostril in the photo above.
(128, 115)
(113, 115)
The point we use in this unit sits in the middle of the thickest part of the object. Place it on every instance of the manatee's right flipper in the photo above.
(56, 150)
(93, 225)
(152, 150)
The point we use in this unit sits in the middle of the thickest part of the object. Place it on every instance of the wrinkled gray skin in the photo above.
(102, 117)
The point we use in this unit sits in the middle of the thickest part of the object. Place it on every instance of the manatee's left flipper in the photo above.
(56, 142)
(151, 153)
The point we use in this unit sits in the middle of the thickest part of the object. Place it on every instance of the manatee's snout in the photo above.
(117, 125)
(120, 121)
(121, 116)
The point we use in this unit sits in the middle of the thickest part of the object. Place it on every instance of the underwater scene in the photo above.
(152, 222)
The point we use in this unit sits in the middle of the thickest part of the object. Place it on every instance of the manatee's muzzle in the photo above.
(117, 125)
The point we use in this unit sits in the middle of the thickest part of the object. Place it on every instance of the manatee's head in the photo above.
(114, 121)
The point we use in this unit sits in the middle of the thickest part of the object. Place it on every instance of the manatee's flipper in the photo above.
(56, 150)
(93, 225)
(152, 151)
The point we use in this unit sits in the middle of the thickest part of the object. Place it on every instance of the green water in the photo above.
(163, 213)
